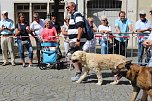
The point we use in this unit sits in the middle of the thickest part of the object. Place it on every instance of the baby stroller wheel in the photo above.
(42, 66)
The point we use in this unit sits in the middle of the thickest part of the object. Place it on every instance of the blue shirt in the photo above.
(7, 23)
(123, 27)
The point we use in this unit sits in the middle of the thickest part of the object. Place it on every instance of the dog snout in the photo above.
(115, 71)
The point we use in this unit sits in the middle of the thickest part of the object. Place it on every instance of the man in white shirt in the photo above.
(143, 27)
(37, 27)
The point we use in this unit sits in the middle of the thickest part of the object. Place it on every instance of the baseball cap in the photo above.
(36, 15)
(3, 12)
(142, 12)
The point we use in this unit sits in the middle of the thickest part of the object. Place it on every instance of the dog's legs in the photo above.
(99, 76)
(83, 76)
(150, 93)
(134, 93)
(144, 96)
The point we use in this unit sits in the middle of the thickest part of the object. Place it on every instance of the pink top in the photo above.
(49, 34)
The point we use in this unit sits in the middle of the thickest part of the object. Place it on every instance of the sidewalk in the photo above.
(33, 84)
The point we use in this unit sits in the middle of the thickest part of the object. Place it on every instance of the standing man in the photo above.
(123, 27)
(7, 42)
(143, 27)
(55, 24)
(37, 27)
(76, 35)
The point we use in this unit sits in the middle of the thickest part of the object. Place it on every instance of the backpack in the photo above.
(89, 34)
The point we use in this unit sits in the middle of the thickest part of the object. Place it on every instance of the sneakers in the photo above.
(115, 82)
(23, 65)
(30, 65)
(13, 64)
(76, 77)
(4, 64)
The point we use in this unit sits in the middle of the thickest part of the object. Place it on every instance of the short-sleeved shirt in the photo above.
(100, 28)
(56, 25)
(49, 34)
(140, 25)
(37, 27)
(23, 35)
(74, 23)
(7, 23)
(124, 28)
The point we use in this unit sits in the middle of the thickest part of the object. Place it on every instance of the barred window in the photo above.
(104, 4)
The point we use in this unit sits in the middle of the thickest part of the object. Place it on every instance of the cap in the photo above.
(35, 15)
(3, 12)
(142, 12)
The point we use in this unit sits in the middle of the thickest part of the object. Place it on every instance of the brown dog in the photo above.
(140, 77)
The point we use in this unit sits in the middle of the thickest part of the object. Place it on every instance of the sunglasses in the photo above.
(104, 20)
(67, 7)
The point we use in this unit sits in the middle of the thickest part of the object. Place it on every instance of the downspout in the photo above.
(84, 8)
(137, 7)
(76, 2)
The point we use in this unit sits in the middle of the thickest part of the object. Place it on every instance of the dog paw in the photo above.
(98, 84)
(78, 82)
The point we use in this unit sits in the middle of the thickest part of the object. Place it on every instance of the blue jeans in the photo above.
(140, 52)
(150, 58)
(28, 46)
(104, 46)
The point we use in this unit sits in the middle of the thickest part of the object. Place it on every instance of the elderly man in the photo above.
(7, 41)
(37, 27)
(76, 35)
(143, 27)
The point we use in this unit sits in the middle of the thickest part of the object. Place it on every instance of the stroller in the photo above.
(50, 56)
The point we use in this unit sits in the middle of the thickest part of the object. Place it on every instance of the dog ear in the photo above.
(83, 56)
(127, 64)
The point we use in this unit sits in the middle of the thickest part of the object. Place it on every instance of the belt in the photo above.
(6, 34)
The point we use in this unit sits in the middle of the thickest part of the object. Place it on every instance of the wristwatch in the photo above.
(78, 40)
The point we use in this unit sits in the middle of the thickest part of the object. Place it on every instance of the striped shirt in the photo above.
(74, 23)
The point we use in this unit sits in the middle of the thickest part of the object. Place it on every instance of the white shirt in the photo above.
(37, 27)
(101, 27)
(141, 25)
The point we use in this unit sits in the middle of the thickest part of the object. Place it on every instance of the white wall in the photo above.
(7, 5)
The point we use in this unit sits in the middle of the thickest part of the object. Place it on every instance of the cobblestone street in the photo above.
(32, 84)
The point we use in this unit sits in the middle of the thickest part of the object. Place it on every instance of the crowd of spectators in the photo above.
(74, 35)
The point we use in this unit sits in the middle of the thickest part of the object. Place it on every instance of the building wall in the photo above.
(7, 5)
(145, 5)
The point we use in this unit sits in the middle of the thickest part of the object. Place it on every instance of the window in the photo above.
(40, 6)
(22, 6)
(104, 4)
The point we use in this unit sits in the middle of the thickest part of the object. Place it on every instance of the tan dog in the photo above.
(141, 78)
(96, 62)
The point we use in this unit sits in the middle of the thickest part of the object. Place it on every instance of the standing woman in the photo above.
(105, 29)
(23, 40)
(64, 31)
(90, 45)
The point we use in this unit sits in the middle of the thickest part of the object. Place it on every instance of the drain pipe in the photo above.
(137, 9)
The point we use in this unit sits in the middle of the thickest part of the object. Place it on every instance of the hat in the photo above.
(142, 12)
(36, 15)
(3, 12)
